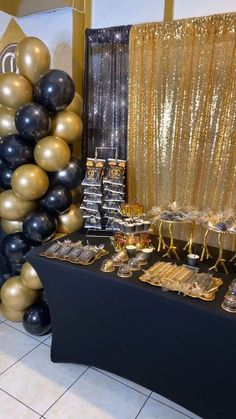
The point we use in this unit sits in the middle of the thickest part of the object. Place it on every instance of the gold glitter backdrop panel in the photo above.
(182, 113)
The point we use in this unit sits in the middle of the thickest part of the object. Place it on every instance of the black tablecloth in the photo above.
(180, 347)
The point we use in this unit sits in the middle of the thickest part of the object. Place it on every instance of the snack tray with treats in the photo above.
(182, 279)
(75, 252)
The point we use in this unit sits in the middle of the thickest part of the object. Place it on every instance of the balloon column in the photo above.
(40, 119)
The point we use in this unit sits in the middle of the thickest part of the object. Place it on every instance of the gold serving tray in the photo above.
(97, 256)
(147, 277)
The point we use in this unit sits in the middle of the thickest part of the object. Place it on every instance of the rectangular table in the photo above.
(179, 347)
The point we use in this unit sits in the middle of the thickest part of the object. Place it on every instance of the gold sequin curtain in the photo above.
(182, 113)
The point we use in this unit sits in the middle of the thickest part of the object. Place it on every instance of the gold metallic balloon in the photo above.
(52, 154)
(71, 221)
(10, 314)
(15, 90)
(14, 208)
(68, 126)
(32, 58)
(11, 226)
(7, 121)
(77, 195)
(58, 235)
(16, 295)
(29, 277)
(29, 182)
(76, 105)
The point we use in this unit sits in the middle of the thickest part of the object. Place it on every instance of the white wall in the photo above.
(107, 13)
(190, 8)
(53, 28)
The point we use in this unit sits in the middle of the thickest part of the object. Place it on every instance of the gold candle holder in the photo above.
(161, 242)
(189, 244)
(220, 259)
(234, 247)
(171, 248)
(205, 250)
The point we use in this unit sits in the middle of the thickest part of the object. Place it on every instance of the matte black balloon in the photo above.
(39, 226)
(14, 247)
(5, 176)
(36, 320)
(16, 150)
(54, 90)
(57, 200)
(14, 268)
(33, 121)
(71, 176)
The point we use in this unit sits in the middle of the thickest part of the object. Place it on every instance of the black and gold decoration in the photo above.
(37, 171)
(106, 89)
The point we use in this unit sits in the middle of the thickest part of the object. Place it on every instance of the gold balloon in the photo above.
(32, 58)
(77, 194)
(30, 278)
(76, 105)
(14, 208)
(52, 154)
(16, 295)
(10, 314)
(7, 121)
(11, 226)
(15, 90)
(70, 221)
(29, 182)
(68, 126)
(58, 235)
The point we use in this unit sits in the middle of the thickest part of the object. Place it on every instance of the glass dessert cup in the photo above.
(134, 264)
(124, 271)
(107, 266)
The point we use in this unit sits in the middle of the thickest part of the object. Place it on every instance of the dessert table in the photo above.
(180, 347)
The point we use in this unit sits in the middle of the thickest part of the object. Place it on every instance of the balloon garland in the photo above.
(40, 118)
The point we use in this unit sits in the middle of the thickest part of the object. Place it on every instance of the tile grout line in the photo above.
(25, 333)
(46, 344)
(94, 368)
(142, 407)
(127, 385)
(65, 391)
(31, 350)
(171, 407)
(13, 397)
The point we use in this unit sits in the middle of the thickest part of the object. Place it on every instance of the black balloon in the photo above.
(57, 200)
(3, 277)
(36, 319)
(16, 150)
(71, 176)
(14, 268)
(33, 121)
(39, 226)
(54, 90)
(14, 247)
(5, 176)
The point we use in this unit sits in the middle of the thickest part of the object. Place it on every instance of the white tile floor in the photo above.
(32, 387)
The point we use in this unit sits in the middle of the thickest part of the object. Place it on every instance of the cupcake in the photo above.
(146, 225)
(138, 227)
(129, 228)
